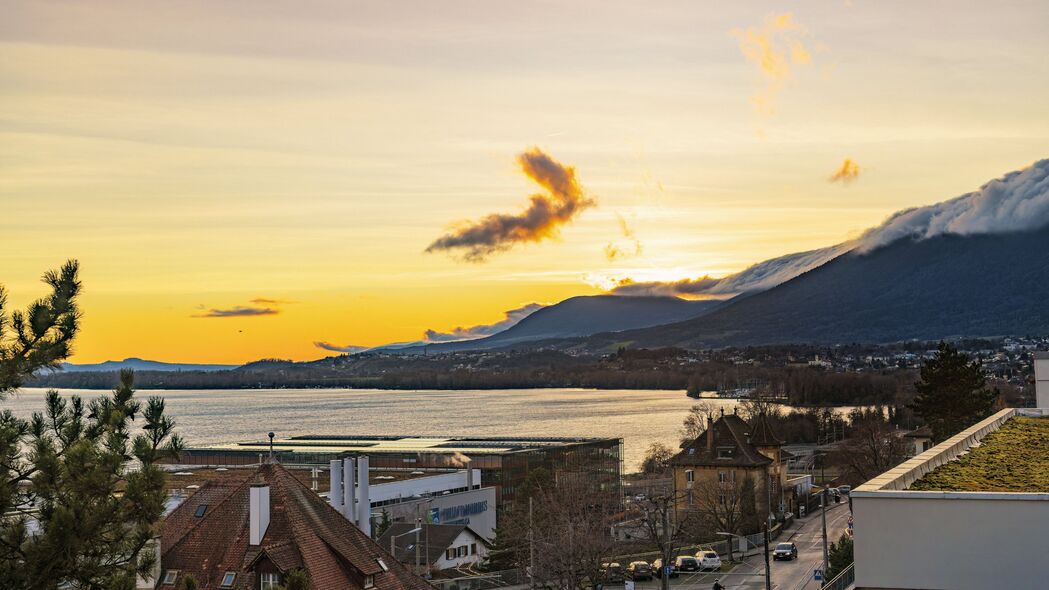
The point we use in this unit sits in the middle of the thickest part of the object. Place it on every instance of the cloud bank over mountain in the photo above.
(1018, 201)
(512, 317)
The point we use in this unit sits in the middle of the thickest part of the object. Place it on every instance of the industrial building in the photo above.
(503, 462)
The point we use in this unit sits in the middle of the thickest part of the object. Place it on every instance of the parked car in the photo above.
(708, 560)
(845, 490)
(686, 563)
(613, 572)
(787, 551)
(657, 568)
(639, 570)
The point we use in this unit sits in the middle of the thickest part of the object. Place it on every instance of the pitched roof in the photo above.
(731, 447)
(434, 539)
(762, 434)
(923, 432)
(303, 532)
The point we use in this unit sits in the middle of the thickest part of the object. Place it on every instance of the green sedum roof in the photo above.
(1014, 458)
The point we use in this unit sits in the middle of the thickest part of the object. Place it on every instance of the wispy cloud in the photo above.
(510, 319)
(846, 173)
(629, 246)
(348, 349)
(562, 201)
(238, 311)
(776, 50)
(260, 306)
(683, 288)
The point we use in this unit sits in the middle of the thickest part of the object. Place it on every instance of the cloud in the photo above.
(348, 349)
(631, 247)
(846, 173)
(682, 288)
(238, 311)
(563, 200)
(510, 319)
(261, 306)
(1018, 201)
(776, 50)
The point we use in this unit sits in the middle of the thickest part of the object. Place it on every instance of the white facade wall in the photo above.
(451, 510)
(464, 539)
(418, 486)
(948, 540)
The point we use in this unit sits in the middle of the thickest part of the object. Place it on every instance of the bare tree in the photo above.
(664, 529)
(657, 459)
(696, 420)
(873, 447)
(758, 404)
(719, 505)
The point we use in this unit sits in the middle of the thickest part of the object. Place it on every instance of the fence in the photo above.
(846, 578)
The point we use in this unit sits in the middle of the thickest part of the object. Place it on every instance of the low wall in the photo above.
(948, 540)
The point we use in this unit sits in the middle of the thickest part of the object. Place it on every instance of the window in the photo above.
(726, 476)
(461, 551)
(369, 581)
(449, 554)
(690, 477)
(724, 452)
(269, 581)
(201, 510)
(227, 580)
(383, 565)
(473, 548)
(721, 499)
(169, 577)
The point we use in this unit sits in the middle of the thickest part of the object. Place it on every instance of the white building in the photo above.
(906, 538)
(435, 547)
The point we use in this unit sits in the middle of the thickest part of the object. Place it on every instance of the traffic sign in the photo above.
(818, 575)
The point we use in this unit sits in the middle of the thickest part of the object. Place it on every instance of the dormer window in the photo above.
(724, 452)
(369, 581)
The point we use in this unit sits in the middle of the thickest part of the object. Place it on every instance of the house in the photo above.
(726, 453)
(250, 532)
(919, 440)
(436, 546)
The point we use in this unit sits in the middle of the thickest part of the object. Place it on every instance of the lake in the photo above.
(204, 417)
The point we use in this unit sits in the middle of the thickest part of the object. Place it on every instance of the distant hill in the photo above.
(583, 316)
(141, 365)
(944, 286)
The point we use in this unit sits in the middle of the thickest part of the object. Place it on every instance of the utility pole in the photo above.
(768, 572)
(665, 577)
(531, 548)
(823, 516)
(418, 527)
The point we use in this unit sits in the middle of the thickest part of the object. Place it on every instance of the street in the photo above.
(786, 575)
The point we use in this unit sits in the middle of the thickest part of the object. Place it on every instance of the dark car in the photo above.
(613, 572)
(786, 551)
(687, 563)
(639, 570)
(659, 569)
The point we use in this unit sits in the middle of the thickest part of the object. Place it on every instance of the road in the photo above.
(786, 575)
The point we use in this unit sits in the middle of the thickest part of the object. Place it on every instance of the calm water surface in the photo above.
(639, 417)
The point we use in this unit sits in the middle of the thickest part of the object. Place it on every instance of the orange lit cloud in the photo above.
(562, 201)
(846, 173)
(776, 49)
(631, 246)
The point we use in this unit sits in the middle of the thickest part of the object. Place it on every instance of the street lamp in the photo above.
(406, 533)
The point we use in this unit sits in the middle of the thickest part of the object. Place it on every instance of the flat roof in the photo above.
(1013, 458)
(367, 445)
(184, 477)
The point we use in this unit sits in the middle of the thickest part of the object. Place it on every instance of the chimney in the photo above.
(349, 466)
(258, 512)
(710, 432)
(364, 504)
(335, 484)
(1041, 379)
(469, 478)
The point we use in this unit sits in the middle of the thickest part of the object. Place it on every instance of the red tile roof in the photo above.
(732, 434)
(303, 532)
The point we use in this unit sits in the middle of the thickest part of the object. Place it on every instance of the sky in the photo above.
(245, 179)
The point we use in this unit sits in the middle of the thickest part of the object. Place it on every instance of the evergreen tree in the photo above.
(82, 496)
(952, 393)
(748, 506)
(839, 556)
(296, 580)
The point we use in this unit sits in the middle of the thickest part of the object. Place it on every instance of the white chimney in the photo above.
(335, 484)
(1041, 379)
(349, 510)
(470, 478)
(258, 512)
(364, 505)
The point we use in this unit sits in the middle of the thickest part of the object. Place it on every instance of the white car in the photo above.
(708, 560)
